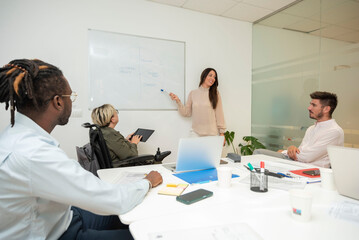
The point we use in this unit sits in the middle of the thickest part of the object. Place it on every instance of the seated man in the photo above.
(106, 116)
(324, 132)
(45, 194)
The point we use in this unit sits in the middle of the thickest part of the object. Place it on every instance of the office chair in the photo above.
(96, 154)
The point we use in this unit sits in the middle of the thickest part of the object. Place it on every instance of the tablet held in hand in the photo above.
(145, 133)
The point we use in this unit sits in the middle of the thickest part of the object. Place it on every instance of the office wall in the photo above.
(56, 32)
(287, 67)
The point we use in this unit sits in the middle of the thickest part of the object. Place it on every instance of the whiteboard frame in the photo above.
(146, 37)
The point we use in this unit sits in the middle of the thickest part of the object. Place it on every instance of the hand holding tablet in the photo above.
(145, 133)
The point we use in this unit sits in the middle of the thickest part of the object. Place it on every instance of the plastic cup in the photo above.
(224, 175)
(327, 179)
(301, 204)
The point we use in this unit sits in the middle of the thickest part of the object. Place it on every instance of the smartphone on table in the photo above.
(312, 172)
(194, 196)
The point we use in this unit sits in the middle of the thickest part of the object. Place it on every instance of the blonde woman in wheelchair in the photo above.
(120, 148)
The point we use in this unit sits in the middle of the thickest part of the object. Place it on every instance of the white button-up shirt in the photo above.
(39, 184)
(317, 138)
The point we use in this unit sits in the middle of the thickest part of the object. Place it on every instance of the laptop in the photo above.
(197, 154)
(345, 165)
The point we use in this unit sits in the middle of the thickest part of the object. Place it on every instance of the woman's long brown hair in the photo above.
(213, 93)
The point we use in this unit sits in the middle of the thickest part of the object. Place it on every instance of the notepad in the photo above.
(173, 189)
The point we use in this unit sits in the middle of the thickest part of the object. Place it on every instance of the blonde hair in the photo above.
(102, 115)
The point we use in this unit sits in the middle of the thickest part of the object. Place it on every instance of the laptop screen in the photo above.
(345, 165)
(199, 153)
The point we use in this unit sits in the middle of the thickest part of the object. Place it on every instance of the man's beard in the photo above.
(319, 116)
(64, 119)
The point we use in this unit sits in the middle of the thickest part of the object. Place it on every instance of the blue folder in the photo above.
(201, 176)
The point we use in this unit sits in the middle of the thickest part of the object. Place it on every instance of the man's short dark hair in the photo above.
(326, 99)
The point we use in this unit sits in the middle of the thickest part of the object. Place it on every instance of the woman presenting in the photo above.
(205, 106)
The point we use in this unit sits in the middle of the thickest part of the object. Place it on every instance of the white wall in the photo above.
(56, 32)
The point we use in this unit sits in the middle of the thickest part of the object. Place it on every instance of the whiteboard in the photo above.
(129, 71)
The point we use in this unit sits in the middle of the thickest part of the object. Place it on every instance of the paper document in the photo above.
(235, 231)
(128, 177)
(346, 211)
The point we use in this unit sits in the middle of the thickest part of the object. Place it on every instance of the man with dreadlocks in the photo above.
(43, 193)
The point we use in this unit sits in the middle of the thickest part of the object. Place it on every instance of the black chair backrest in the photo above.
(88, 160)
(98, 144)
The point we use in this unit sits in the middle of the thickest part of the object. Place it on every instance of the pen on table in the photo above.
(284, 175)
(314, 182)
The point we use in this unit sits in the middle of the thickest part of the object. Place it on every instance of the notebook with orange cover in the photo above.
(173, 189)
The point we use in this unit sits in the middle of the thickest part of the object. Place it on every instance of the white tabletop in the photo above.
(268, 213)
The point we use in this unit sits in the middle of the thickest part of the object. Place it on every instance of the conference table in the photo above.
(237, 210)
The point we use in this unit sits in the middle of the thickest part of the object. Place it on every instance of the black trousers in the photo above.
(89, 226)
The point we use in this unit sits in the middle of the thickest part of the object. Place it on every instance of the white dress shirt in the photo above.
(317, 138)
(39, 184)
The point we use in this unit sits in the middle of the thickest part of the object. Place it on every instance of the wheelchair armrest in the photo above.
(143, 157)
(159, 157)
(137, 160)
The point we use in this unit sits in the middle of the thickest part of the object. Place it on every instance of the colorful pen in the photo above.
(251, 167)
(284, 175)
(261, 184)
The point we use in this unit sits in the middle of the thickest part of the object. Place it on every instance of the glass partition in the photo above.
(312, 45)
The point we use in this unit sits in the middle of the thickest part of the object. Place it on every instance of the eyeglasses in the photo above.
(72, 97)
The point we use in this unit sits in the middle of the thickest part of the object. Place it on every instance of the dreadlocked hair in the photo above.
(29, 85)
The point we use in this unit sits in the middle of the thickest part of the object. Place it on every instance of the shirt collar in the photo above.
(29, 123)
(330, 121)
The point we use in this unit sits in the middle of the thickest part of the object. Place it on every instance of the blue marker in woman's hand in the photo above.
(162, 90)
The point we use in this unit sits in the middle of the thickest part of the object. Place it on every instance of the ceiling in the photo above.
(244, 10)
(335, 19)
